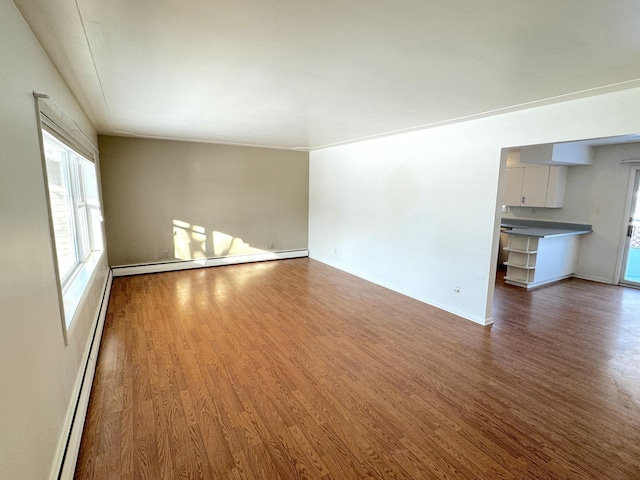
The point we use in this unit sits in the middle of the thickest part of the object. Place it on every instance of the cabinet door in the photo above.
(513, 187)
(534, 186)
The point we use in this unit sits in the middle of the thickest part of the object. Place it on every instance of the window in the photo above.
(75, 206)
(71, 184)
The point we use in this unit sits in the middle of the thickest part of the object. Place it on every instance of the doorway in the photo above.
(631, 263)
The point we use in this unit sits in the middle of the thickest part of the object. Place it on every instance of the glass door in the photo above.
(631, 264)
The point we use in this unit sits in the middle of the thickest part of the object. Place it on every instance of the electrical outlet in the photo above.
(456, 289)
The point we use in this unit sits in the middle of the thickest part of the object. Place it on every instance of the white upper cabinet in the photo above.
(535, 186)
(513, 186)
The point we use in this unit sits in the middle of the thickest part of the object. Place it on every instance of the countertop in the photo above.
(542, 229)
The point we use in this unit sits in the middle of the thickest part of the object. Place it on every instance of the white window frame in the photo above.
(81, 220)
(55, 128)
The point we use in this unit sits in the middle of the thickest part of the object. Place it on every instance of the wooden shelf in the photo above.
(535, 261)
(508, 249)
(525, 267)
(522, 260)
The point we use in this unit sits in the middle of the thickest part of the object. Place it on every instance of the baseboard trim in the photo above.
(157, 267)
(531, 286)
(482, 321)
(595, 279)
(82, 390)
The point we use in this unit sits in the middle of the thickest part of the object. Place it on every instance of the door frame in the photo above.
(634, 172)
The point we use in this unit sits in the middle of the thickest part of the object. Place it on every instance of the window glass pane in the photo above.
(96, 229)
(61, 204)
(90, 182)
(75, 205)
(83, 233)
(92, 198)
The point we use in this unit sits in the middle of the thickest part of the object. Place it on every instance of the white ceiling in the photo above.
(303, 73)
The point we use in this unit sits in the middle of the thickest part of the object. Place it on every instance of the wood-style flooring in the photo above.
(293, 369)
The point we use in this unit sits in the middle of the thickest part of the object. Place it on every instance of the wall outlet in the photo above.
(456, 289)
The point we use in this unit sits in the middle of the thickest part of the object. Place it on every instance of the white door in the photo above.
(631, 263)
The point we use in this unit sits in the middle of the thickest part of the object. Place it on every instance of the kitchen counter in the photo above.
(541, 252)
(542, 229)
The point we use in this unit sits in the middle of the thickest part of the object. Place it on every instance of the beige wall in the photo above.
(167, 200)
(37, 371)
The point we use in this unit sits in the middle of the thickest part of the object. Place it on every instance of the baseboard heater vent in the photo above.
(79, 413)
(156, 267)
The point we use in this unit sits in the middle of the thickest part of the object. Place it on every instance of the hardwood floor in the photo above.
(292, 369)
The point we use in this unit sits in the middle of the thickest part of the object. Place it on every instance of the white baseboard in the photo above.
(156, 267)
(74, 423)
(531, 286)
(428, 301)
(595, 279)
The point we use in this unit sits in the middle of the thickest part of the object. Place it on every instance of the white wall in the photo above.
(37, 371)
(597, 195)
(419, 212)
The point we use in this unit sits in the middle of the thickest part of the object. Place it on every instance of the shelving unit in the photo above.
(521, 263)
(537, 260)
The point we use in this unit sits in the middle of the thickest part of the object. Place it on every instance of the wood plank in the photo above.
(293, 369)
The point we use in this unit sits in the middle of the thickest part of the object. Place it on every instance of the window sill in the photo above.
(75, 290)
